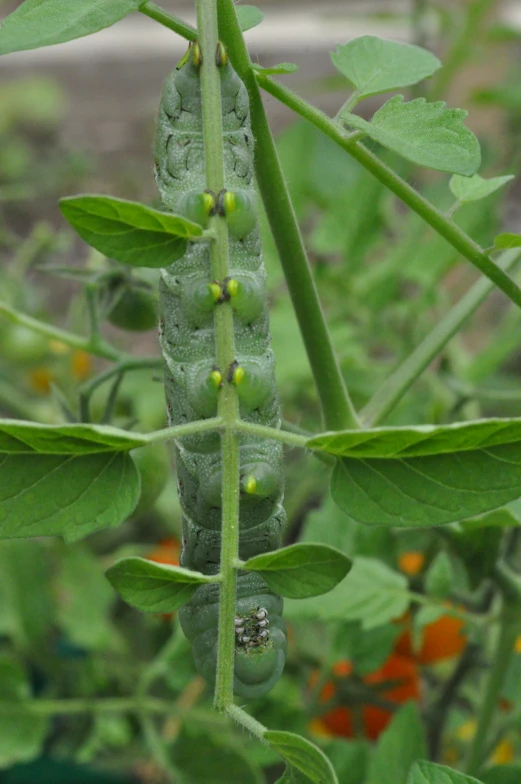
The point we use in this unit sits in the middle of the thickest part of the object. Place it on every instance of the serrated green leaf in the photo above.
(25, 438)
(428, 134)
(273, 70)
(429, 773)
(301, 570)
(249, 16)
(507, 240)
(394, 756)
(419, 440)
(21, 734)
(474, 188)
(128, 231)
(372, 594)
(374, 65)
(153, 587)
(65, 495)
(439, 577)
(36, 23)
(427, 491)
(424, 475)
(299, 753)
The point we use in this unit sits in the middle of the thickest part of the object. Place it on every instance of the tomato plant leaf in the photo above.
(302, 755)
(153, 587)
(65, 495)
(21, 734)
(128, 231)
(419, 440)
(35, 23)
(427, 491)
(473, 188)
(392, 754)
(430, 773)
(19, 437)
(374, 65)
(429, 134)
(249, 16)
(372, 593)
(507, 240)
(301, 570)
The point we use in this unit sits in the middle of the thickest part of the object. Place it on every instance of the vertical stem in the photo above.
(418, 21)
(509, 630)
(337, 407)
(225, 345)
(401, 380)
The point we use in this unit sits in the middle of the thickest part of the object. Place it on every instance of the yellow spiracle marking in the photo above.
(221, 57)
(250, 485)
(198, 55)
(238, 375)
(208, 202)
(229, 202)
(216, 377)
(216, 291)
(232, 287)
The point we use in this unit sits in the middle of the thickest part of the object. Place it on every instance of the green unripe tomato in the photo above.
(22, 345)
(135, 309)
(154, 468)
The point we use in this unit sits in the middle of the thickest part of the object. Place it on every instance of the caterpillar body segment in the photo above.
(189, 297)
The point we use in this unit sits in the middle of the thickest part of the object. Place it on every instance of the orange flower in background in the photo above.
(411, 563)
(403, 677)
(442, 639)
(81, 365)
(166, 552)
(40, 379)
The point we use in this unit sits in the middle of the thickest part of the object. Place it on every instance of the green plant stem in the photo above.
(225, 343)
(50, 707)
(100, 347)
(392, 391)
(412, 198)
(462, 47)
(247, 721)
(190, 429)
(337, 407)
(167, 20)
(291, 439)
(123, 366)
(509, 630)
(153, 672)
(418, 22)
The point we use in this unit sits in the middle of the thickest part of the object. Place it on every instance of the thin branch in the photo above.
(411, 197)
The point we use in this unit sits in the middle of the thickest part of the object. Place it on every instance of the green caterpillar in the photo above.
(188, 300)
